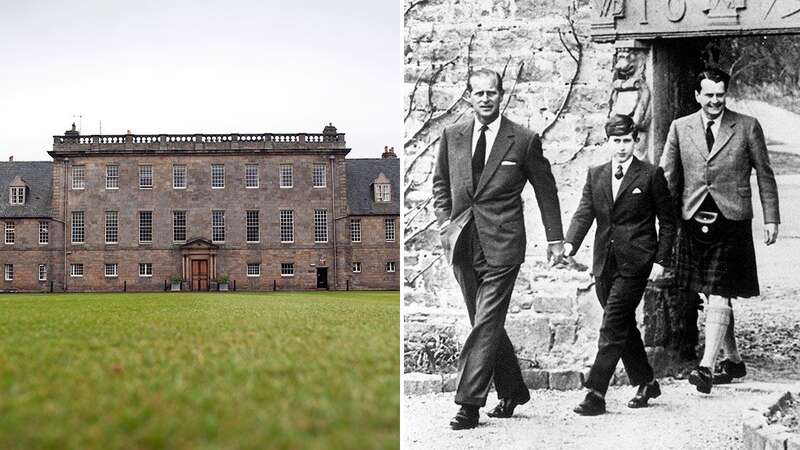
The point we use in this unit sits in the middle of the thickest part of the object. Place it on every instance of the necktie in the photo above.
(709, 135)
(479, 158)
(618, 173)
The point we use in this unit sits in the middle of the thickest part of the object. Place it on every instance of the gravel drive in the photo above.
(681, 418)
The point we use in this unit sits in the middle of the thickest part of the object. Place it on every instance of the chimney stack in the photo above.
(388, 152)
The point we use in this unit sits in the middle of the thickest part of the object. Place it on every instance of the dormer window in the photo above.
(383, 192)
(17, 195)
(382, 188)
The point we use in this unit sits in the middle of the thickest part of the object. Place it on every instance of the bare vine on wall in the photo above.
(430, 116)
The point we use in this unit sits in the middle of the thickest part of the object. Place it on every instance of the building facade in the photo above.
(266, 211)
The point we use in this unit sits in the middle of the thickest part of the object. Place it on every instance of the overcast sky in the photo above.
(199, 66)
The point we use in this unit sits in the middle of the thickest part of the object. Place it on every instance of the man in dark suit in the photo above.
(482, 166)
(624, 196)
(707, 159)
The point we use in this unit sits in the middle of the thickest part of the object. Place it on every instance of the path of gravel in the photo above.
(680, 419)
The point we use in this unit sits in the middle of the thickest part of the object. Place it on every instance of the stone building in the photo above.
(268, 211)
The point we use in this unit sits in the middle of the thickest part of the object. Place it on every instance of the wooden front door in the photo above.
(199, 275)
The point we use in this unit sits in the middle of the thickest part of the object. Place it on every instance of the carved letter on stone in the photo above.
(676, 9)
(644, 13)
(724, 12)
(614, 8)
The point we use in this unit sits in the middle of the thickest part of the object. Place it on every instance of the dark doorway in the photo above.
(322, 278)
(199, 275)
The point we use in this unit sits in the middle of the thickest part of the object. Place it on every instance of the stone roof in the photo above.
(361, 174)
(38, 177)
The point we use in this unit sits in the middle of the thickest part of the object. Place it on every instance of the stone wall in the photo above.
(554, 315)
(26, 254)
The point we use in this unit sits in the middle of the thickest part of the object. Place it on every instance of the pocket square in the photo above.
(508, 163)
(636, 191)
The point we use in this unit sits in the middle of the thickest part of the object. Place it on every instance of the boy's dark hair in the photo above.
(620, 125)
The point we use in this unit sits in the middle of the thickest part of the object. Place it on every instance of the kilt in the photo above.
(725, 266)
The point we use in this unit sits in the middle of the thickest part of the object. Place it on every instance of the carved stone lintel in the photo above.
(676, 9)
(608, 12)
(723, 12)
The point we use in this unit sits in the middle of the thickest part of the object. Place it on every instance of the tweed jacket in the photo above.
(495, 204)
(693, 172)
(626, 225)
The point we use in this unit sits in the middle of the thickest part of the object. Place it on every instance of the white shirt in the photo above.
(614, 181)
(715, 126)
(491, 133)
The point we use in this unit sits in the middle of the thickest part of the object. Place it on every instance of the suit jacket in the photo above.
(626, 226)
(723, 173)
(495, 203)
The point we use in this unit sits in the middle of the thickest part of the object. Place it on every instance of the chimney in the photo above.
(72, 132)
(388, 152)
(11, 158)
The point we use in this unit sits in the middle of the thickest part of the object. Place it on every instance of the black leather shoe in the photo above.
(592, 405)
(466, 418)
(505, 408)
(727, 370)
(643, 394)
(701, 378)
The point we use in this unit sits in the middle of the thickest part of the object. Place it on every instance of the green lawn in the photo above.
(200, 371)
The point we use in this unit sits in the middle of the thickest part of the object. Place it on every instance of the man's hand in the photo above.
(656, 273)
(770, 233)
(555, 253)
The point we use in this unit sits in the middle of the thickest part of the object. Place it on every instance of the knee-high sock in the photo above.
(729, 343)
(717, 319)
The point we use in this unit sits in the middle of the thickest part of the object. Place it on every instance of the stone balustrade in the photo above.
(158, 143)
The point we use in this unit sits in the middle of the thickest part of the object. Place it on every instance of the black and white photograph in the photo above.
(600, 222)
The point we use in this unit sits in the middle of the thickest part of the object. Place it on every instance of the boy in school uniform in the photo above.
(624, 196)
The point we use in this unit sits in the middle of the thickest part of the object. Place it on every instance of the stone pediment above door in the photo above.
(199, 244)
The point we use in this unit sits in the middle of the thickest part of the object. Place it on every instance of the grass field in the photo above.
(200, 371)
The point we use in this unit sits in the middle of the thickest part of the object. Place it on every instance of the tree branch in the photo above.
(414, 5)
(413, 93)
(419, 208)
(575, 155)
(510, 94)
(578, 60)
(424, 269)
(413, 161)
(419, 232)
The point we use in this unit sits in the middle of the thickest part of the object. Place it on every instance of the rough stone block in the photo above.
(552, 303)
(565, 380)
(529, 333)
(536, 379)
(449, 382)
(564, 335)
(751, 428)
(421, 383)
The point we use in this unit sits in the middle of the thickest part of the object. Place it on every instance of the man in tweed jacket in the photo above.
(707, 160)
